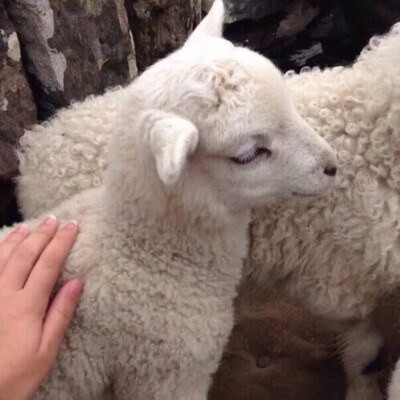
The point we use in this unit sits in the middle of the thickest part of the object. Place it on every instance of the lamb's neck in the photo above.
(193, 229)
(220, 241)
(182, 219)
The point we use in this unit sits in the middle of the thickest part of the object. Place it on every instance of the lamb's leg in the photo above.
(394, 387)
(362, 345)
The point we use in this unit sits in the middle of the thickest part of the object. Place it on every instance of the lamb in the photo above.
(339, 257)
(197, 141)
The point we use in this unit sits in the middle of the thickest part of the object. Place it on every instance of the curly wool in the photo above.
(67, 159)
(341, 254)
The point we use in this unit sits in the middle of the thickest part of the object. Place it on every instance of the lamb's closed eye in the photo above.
(251, 155)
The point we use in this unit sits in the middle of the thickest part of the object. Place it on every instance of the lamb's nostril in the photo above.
(330, 171)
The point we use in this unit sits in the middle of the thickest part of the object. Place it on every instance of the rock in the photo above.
(73, 48)
(252, 9)
(299, 15)
(276, 351)
(206, 5)
(296, 33)
(160, 26)
(17, 110)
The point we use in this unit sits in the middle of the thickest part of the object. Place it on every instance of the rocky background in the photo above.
(53, 52)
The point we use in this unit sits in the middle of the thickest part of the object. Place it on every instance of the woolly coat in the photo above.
(339, 256)
(160, 272)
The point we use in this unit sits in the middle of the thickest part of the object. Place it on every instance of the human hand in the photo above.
(30, 330)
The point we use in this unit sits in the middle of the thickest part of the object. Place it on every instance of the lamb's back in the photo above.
(67, 154)
(339, 254)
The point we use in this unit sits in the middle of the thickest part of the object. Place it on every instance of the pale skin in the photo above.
(31, 328)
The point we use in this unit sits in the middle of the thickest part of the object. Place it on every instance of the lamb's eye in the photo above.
(251, 155)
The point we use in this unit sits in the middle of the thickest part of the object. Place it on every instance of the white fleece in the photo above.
(163, 212)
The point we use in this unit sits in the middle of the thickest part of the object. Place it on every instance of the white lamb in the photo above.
(198, 140)
(339, 258)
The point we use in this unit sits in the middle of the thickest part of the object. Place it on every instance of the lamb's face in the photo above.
(225, 122)
(246, 141)
(253, 147)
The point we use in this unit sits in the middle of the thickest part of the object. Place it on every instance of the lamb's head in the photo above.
(221, 128)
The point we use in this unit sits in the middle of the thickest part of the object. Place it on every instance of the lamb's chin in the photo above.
(311, 194)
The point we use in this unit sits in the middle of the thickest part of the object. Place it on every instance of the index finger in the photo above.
(16, 271)
(10, 242)
(47, 269)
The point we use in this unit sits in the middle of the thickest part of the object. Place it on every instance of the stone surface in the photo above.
(277, 351)
(206, 5)
(160, 26)
(73, 48)
(17, 110)
(298, 33)
(252, 9)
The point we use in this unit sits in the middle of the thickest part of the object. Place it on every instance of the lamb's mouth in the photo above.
(297, 194)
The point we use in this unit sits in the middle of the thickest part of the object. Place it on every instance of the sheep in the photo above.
(338, 257)
(197, 141)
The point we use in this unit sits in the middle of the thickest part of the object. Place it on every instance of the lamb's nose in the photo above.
(330, 171)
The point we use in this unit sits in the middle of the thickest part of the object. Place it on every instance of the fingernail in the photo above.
(74, 288)
(21, 229)
(50, 219)
(70, 225)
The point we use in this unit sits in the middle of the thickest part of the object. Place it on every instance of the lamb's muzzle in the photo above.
(330, 171)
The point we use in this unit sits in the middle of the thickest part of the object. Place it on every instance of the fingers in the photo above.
(45, 273)
(59, 315)
(22, 260)
(10, 242)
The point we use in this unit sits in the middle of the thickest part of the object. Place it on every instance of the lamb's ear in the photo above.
(172, 140)
(212, 24)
